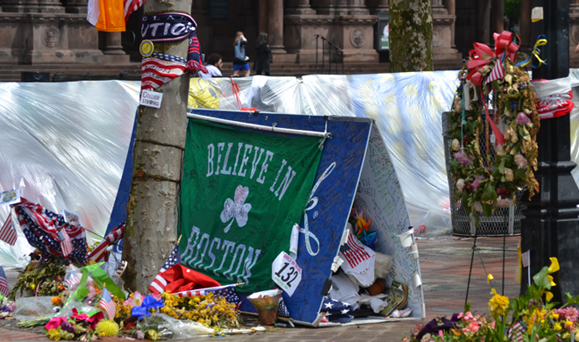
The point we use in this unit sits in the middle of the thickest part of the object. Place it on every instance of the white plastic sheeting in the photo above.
(64, 144)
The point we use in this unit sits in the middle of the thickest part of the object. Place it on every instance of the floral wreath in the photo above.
(487, 166)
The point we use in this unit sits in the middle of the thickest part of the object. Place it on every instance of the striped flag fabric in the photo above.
(116, 234)
(498, 72)
(516, 332)
(71, 280)
(3, 282)
(354, 252)
(161, 68)
(227, 291)
(107, 304)
(7, 232)
(131, 6)
(65, 243)
(159, 283)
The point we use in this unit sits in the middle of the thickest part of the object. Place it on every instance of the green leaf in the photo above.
(467, 307)
(540, 279)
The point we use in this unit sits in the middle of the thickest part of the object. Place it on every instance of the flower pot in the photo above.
(266, 303)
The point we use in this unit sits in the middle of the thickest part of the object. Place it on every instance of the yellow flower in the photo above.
(554, 266)
(548, 296)
(489, 278)
(498, 304)
(557, 326)
(54, 335)
(551, 280)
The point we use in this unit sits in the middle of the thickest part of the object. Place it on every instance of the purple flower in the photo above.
(463, 157)
(476, 182)
(67, 326)
(139, 335)
(522, 119)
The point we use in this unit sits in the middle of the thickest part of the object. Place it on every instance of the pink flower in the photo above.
(476, 182)
(492, 324)
(440, 333)
(54, 322)
(417, 329)
(522, 119)
(463, 157)
(473, 326)
(459, 315)
(520, 161)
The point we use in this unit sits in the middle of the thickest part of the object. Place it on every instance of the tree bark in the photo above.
(152, 213)
(410, 35)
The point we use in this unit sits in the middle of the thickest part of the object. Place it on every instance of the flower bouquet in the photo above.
(531, 317)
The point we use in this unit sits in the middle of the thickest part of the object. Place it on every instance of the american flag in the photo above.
(65, 243)
(107, 304)
(226, 291)
(116, 234)
(336, 311)
(498, 71)
(3, 282)
(71, 280)
(159, 283)
(282, 309)
(40, 226)
(516, 332)
(161, 68)
(7, 232)
(131, 6)
(354, 252)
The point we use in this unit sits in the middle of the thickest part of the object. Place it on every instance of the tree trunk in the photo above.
(152, 213)
(410, 35)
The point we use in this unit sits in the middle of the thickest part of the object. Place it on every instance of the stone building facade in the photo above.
(56, 31)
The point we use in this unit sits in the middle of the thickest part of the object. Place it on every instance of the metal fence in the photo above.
(508, 219)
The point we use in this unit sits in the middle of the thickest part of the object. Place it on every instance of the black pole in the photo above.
(551, 225)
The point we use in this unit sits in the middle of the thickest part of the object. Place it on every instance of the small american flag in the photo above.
(516, 332)
(107, 304)
(159, 283)
(226, 291)
(7, 232)
(3, 282)
(161, 68)
(71, 280)
(116, 234)
(65, 243)
(498, 71)
(354, 252)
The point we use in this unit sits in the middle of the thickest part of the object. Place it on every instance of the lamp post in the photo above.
(551, 224)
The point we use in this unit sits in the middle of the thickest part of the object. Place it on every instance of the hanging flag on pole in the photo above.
(161, 68)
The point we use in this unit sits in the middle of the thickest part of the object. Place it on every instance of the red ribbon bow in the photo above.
(482, 55)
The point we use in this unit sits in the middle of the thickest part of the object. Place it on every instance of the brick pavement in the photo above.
(444, 263)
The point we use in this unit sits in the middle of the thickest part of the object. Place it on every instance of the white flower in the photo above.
(460, 184)
(508, 174)
(503, 202)
(521, 161)
(455, 145)
(478, 206)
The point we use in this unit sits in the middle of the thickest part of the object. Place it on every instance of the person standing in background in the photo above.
(214, 64)
(240, 60)
(263, 52)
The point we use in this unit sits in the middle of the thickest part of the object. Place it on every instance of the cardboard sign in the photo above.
(151, 99)
(286, 273)
(10, 197)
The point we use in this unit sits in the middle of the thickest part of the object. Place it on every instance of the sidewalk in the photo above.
(444, 263)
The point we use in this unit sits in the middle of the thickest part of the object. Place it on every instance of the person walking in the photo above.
(263, 52)
(214, 64)
(240, 60)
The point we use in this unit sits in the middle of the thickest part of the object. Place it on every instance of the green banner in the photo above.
(241, 194)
